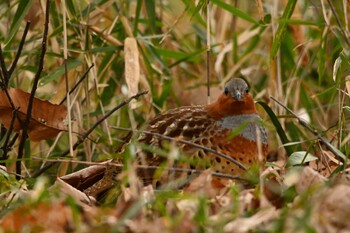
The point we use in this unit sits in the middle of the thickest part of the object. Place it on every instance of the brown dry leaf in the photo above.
(273, 186)
(129, 197)
(206, 185)
(34, 15)
(43, 217)
(132, 65)
(308, 177)
(84, 178)
(61, 89)
(250, 224)
(144, 225)
(342, 177)
(77, 195)
(248, 200)
(326, 163)
(92, 180)
(47, 118)
(332, 210)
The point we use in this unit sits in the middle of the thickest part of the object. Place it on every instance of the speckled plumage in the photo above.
(213, 126)
(210, 126)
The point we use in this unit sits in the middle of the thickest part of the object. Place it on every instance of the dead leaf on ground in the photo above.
(342, 177)
(77, 195)
(45, 217)
(93, 180)
(326, 164)
(252, 223)
(273, 186)
(308, 177)
(332, 210)
(47, 118)
(206, 185)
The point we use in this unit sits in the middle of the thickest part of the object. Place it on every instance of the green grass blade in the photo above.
(282, 27)
(151, 13)
(55, 74)
(282, 135)
(23, 8)
(137, 16)
(235, 11)
(299, 158)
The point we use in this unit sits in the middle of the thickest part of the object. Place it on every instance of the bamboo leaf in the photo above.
(22, 10)
(282, 27)
(300, 157)
(151, 13)
(282, 135)
(235, 11)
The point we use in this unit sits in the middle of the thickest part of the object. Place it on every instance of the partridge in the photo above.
(229, 126)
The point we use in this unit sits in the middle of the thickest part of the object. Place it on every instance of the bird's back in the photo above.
(234, 136)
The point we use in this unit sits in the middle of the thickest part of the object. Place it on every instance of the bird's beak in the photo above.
(238, 95)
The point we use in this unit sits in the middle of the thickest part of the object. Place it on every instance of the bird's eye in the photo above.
(246, 90)
(226, 91)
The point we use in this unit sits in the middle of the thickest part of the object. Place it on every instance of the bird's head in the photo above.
(234, 100)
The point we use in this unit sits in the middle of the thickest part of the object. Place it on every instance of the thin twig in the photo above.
(208, 50)
(2, 81)
(5, 73)
(6, 147)
(303, 123)
(139, 166)
(240, 165)
(18, 54)
(77, 84)
(86, 134)
(13, 140)
(34, 87)
(338, 22)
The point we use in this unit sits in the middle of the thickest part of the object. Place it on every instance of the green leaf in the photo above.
(55, 74)
(278, 126)
(151, 13)
(23, 8)
(201, 5)
(300, 157)
(137, 16)
(235, 11)
(71, 8)
(282, 27)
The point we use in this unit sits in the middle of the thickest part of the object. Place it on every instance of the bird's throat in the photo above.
(227, 106)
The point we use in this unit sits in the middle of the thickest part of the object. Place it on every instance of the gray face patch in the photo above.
(250, 121)
(236, 87)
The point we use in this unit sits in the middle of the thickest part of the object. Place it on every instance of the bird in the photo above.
(230, 126)
(211, 126)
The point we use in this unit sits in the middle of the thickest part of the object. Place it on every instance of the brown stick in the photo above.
(339, 155)
(34, 87)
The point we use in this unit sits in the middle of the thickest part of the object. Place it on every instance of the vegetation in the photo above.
(294, 54)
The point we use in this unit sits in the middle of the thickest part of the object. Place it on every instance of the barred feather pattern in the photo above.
(193, 124)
